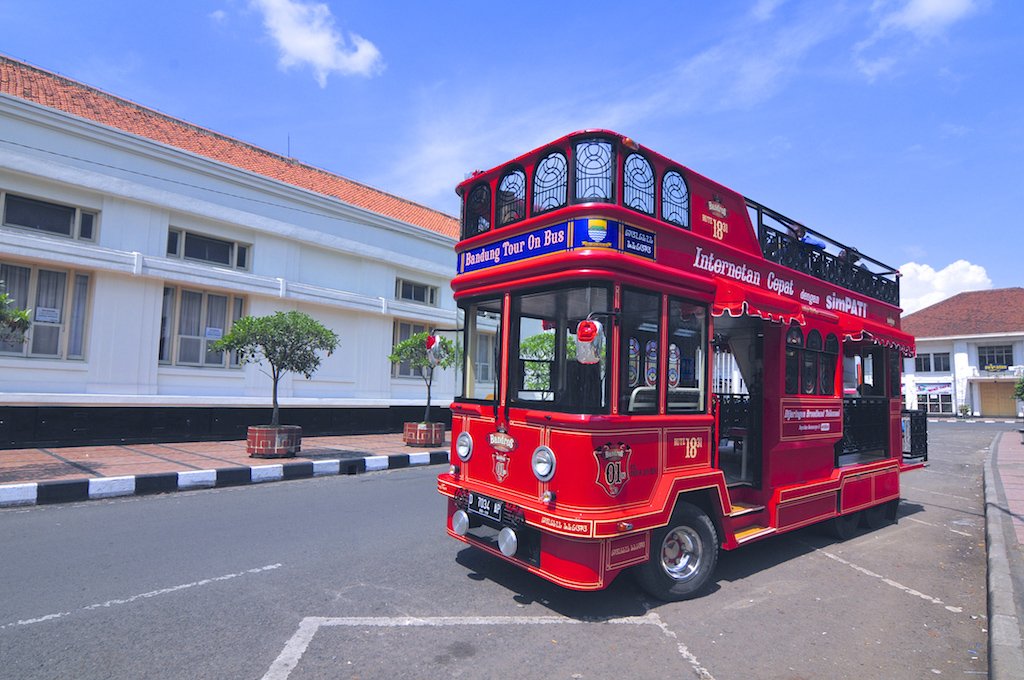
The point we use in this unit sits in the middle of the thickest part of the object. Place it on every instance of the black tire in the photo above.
(874, 517)
(844, 526)
(682, 554)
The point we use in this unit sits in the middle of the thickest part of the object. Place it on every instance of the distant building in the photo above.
(970, 353)
(137, 239)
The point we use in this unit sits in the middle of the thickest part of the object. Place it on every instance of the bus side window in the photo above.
(641, 337)
(794, 344)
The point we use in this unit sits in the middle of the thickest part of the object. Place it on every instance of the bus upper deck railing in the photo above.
(798, 247)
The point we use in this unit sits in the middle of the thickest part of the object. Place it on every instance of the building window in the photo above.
(191, 321)
(995, 357)
(932, 363)
(59, 303)
(403, 331)
(202, 248)
(416, 292)
(936, 403)
(49, 218)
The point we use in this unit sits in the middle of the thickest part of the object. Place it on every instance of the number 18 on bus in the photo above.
(657, 368)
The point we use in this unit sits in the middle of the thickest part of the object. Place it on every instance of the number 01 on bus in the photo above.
(657, 368)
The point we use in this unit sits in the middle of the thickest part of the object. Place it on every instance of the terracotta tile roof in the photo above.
(977, 312)
(28, 82)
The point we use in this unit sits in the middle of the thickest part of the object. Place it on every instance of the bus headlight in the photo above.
(464, 446)
(543, 463)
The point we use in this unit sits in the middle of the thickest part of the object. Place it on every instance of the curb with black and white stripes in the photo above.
(72, 490)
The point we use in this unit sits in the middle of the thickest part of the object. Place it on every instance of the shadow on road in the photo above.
(623, 597)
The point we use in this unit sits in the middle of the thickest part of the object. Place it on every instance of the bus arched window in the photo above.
(675, 199)
(477, 214)
(809, 373)
(638, 184)
(550, 183)
(828, 365)
(794, 344)
(511, 201)
(595, 165)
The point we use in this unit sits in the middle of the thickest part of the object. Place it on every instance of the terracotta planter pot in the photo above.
(283, 441)
(423, 434)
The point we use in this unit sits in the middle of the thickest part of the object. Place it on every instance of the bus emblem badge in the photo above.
(612, 467)
(500, 466)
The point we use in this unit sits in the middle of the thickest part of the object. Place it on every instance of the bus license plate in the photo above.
(483, 505)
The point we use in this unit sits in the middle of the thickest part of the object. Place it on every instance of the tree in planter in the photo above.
(287, 341)
(442, 353)
(13, 321)
(1018, 389)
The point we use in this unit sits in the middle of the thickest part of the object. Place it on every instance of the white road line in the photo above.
(939, 493)
(293, 650)
(889, 581)
(133, 598)
(929, 524)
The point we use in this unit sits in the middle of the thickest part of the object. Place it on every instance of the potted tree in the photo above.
(13, 321)
(288, 342)
(425, 352)
(1018, 394)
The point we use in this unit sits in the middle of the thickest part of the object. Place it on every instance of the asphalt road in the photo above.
(353, 577)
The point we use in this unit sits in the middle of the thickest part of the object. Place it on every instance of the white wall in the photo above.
(309, 252)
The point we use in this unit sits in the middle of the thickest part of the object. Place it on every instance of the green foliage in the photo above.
(1018, 389)
(287, 341)
(13, 321)
(414, 352)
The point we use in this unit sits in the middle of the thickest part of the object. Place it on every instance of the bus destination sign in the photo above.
(577, 234)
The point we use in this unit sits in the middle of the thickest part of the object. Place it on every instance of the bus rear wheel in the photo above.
(683, 556)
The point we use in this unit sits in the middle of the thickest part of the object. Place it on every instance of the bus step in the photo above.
(752, 532)
(741, 508)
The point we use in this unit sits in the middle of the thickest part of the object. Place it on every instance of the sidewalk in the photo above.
(56, 475)
(1004, 541)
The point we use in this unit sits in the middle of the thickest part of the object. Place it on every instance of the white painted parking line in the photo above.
(140, 596)
(939, 493)
(293, 650)
(929, 524)
(888, 581)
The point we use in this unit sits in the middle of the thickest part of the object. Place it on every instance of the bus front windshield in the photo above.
(544, 371)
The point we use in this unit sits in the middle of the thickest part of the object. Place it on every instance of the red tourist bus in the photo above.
(648, 378)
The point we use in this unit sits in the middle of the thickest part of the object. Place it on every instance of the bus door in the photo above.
(866, 417)
(738, 379)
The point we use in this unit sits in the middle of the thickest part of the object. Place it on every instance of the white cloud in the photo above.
(902, 27)
(305, 35)
(921, 285)
(764, 9)
(218, 15)
(927, 18)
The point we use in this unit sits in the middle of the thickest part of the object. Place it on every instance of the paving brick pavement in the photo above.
(55, 474)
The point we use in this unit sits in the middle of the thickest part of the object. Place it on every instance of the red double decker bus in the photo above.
(657, 368)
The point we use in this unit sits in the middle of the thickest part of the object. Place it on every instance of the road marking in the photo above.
(939, 493)
(929, 524)
(293, 650)
(140, 596)
(889, 581)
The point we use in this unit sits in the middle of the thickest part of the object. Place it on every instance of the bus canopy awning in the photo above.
(886, 337)
(738, 299)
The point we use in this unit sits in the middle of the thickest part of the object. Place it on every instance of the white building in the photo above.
(970, 354)
(136, 239)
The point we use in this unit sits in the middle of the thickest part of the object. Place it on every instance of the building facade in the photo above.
(137, 239)
(970, 354)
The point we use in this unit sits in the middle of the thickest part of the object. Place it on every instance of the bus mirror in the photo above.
(589, 341)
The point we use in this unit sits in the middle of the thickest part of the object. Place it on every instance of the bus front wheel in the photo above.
(683, 555)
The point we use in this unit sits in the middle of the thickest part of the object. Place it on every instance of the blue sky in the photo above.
(896, 126)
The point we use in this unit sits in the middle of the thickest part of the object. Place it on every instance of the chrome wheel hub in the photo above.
(681, 553)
